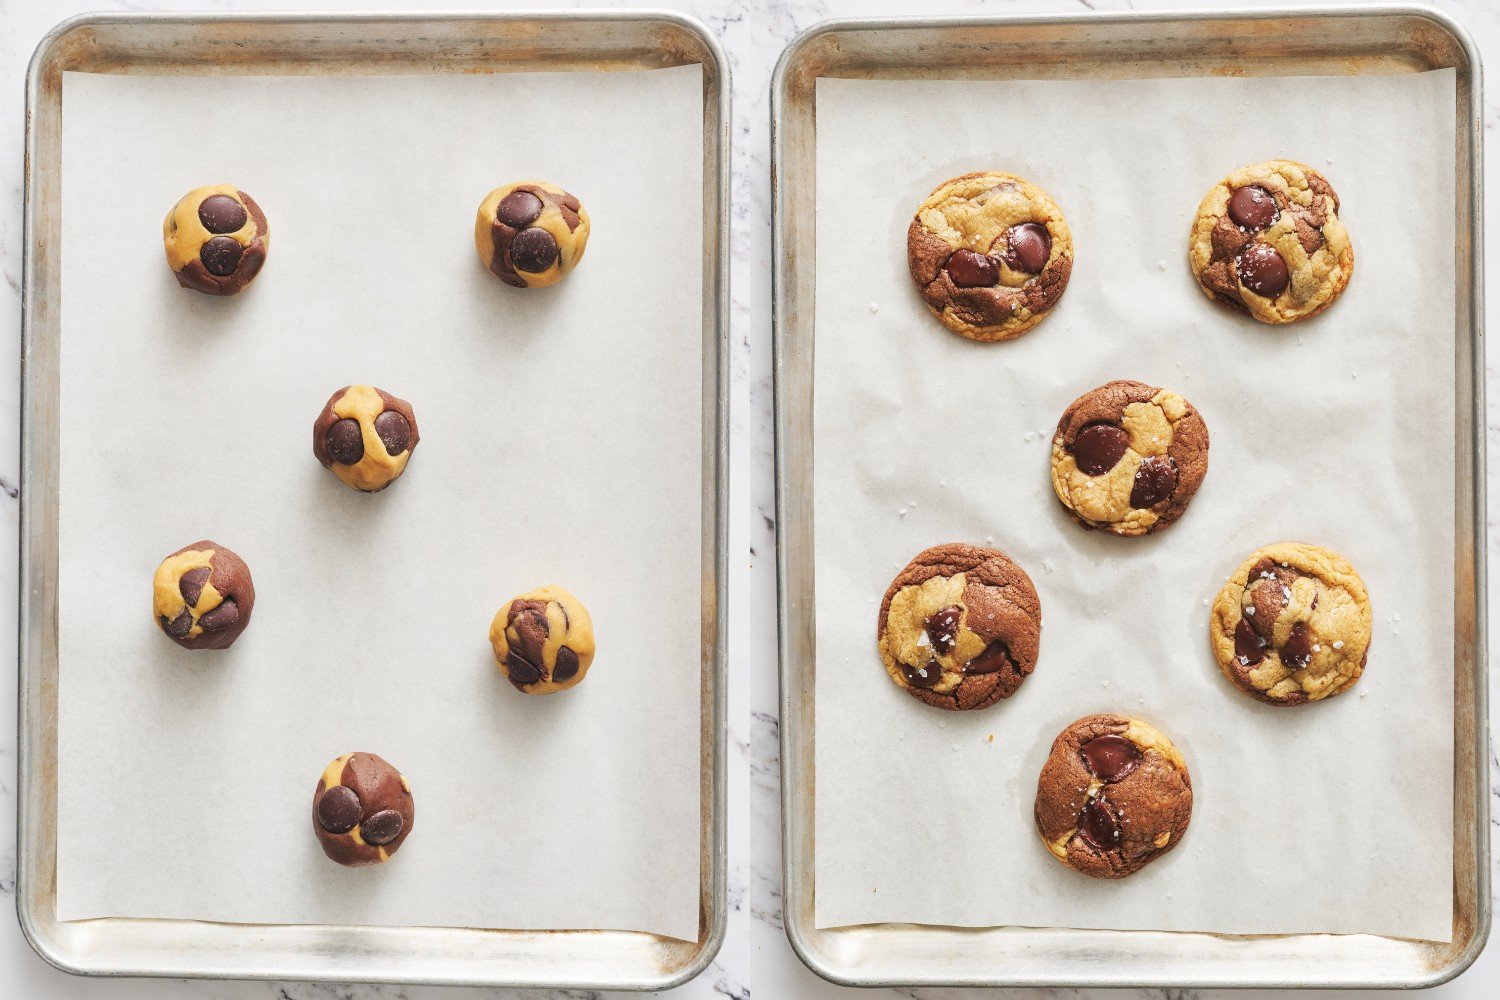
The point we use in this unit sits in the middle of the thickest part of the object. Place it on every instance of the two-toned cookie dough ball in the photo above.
(216, 239)
(531, 234)
(362, 810)
(543, 640)
(202, 596)
(365, 436)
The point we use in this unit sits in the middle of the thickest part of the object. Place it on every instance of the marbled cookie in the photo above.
(202, 596)
(543, 640)
(365, 436)
(531, 234)
(216, 239)
(362, 810)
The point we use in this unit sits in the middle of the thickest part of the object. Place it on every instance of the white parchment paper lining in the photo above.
(560, 443)
(1334, 817)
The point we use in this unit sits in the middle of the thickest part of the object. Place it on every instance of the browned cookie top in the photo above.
(960, 627)
(1113, 795)
(362, 810)
(216, 239)
(202, 596)
(365, 436)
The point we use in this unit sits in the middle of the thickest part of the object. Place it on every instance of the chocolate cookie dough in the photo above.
(543, 640)
(362, 810)
(1113, 796)
(531, 234)
(202, 596)
(991, 255)
(960, 627)
(1267, 241)
(1292, 625)
(366, 436)
(216, 239)
(1128, 457)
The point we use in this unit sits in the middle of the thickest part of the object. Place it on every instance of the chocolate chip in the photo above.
(533, 250)
(1099, 825)
(394, 432)
(382, 828)
(996, 657)
(1268, 595)
(521, 670)
(1262, 270)
(972, 270)
(519, 208)
(345, 442)
(566, 666)
(1099, 448)
(1027, 247)
(1249, 648)
(180, 626)
(1154, 482)
(1110, 757)
(220, 213)
(924, 676)
(191, 585)
(221, 255)
(1252, 207)
(339, 809)
(222, 617)
(942, 629)
(1298, 648)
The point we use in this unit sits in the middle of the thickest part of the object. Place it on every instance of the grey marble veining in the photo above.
(756, 960)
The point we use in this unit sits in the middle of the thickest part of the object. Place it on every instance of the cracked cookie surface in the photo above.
(216, 239)
(1113, 796)
(543, 640)
(1267, 241)
(202, 596)
(960, 627)
(991, 255)
(1292, 625)
(1128, 457)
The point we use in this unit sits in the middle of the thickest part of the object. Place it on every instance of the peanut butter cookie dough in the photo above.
(1113, 796)
(202, 596)
(216, 239)
(1292, 625)
(960, 627)
(366, 436)
(531, 234)
(362, 810)
(1267, 241)
(1128, 457)
(543, 640)
(991, 255)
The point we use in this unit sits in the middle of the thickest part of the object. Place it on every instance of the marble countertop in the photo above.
(756, 960)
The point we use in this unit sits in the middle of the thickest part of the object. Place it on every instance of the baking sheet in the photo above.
(561, 442)
(1334, 817)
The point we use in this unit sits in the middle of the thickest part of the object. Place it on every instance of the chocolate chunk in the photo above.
(220, 213)
(339, 809)
(1027, 247)
(519, 208)
(566, 667)
(394, 432)
(1110, 757)
(530, 622)
(222, 617)
(521, 670)
(381, 828)
(925, 676)
(1249, 648)
(1262, 270)
(972, 270)
(180, 626)
(221, 255)
(345, 442)
(1154, 482)
(1269, 591)
(191, 584)
(1099, 448)
(1298, 648)
(995, 657)
(533, 250)
(942, 629)
(1099, 825)
(1252, 207)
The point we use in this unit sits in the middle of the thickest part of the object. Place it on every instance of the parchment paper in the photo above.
(1334, 817)
(560, 443)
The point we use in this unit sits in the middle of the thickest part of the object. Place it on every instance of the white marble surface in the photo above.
(756, 961)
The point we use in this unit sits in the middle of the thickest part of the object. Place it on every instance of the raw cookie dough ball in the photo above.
(1113, 796)
(1127, 457)
(531, 234)
(1267, 241)
(960, 627)
(216, 239)
(202, 596)
(362, 810)
(1292, 625)
(991, 255)
(543, 640)
(366, 436)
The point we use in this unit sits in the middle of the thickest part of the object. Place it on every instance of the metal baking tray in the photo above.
(1271, 42)
(363, 44)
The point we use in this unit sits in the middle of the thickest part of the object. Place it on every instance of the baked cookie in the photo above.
(1113, 796)
(991, 255)
(202, 596)
(1292, 625)
(362, 810)
(960, 627)
(531, 234)
(543, 640)
(1128, 457)
(1267, 241)
(216, 239)
(366, 436)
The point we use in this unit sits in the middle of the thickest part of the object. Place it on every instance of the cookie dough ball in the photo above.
(216, 239)
(366, 436)
(543, 640)
(362, 810)
(531, 234)
(1128, 457)
(991, 255)
(960, 627)
(1267, 241)
(202, 596)
(1292, 625)
(1113, 796)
